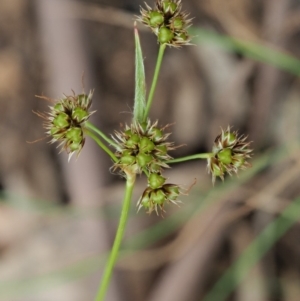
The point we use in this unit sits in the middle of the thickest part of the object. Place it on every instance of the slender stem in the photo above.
(192, 157)
(102, 145)
(155, 77)
(101, 134)
(116, 246)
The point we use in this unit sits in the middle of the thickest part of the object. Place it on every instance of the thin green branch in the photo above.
(102, 145)
(118, 239)
(155, 78)
(101, 134)
(192, 157)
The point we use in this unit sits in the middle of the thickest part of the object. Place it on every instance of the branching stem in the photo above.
(102, 145)
(101, 134)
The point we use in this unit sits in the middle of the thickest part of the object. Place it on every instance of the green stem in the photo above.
(101, 134)
(102, 145)
(116, 246)
(192, 157)
(155, 78)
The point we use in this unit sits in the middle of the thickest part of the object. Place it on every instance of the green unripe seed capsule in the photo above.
(127, 160)
(238, 160)
(127, 152)
(74, 146)
(157, 134)
(182, 36)
(172, 191)
(163, 149)
(143, 159)
(218, 171)
(165, 35)
(133, 140)
(154, 167)
(145, 198)
(158, 197)
(80, 114)
(146, 145)
(156, 181)
(59, 107)
(74, 134)
(61, 121)
(231, 137)
(225, 156)
(177, 23)
(56, 133)
(156, 18)
(169, 7)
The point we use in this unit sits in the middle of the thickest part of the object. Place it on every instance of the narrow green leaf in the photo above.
(140, 85)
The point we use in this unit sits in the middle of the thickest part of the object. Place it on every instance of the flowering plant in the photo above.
(143, 147)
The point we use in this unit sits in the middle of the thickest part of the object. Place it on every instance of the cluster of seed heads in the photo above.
(229, 154)
(157, 194)
(143, 147)
(65, 121)
(168, 22)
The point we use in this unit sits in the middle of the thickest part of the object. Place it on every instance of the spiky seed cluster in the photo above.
(168, 22)
(143, 147)
(157, 194)
(65, 121)
(230, 152)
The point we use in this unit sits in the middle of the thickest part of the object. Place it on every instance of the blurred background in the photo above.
(238, 240)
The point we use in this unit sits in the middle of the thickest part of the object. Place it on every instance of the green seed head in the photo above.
(158, 197)
(127, 160)
(172, 191)
(165, 35)
(182, 37)
(238, 160)
(59, 107)
(156, 181)
(169, 7)
(75, 146)
(133, 141)
(156, 134)
(177, 23)
(61, 121)
(74, 134)
(163, 149)
(143, 159)
(146, 145)
(145, 198)
(225, 156)
(80, 114)
(156, 18)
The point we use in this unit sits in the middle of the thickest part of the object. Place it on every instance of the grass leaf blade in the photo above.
(140, 84)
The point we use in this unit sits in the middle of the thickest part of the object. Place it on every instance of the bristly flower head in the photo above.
(168, 22)
(230, 152)
(142, 146)
(65, 121)
(158, 194)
